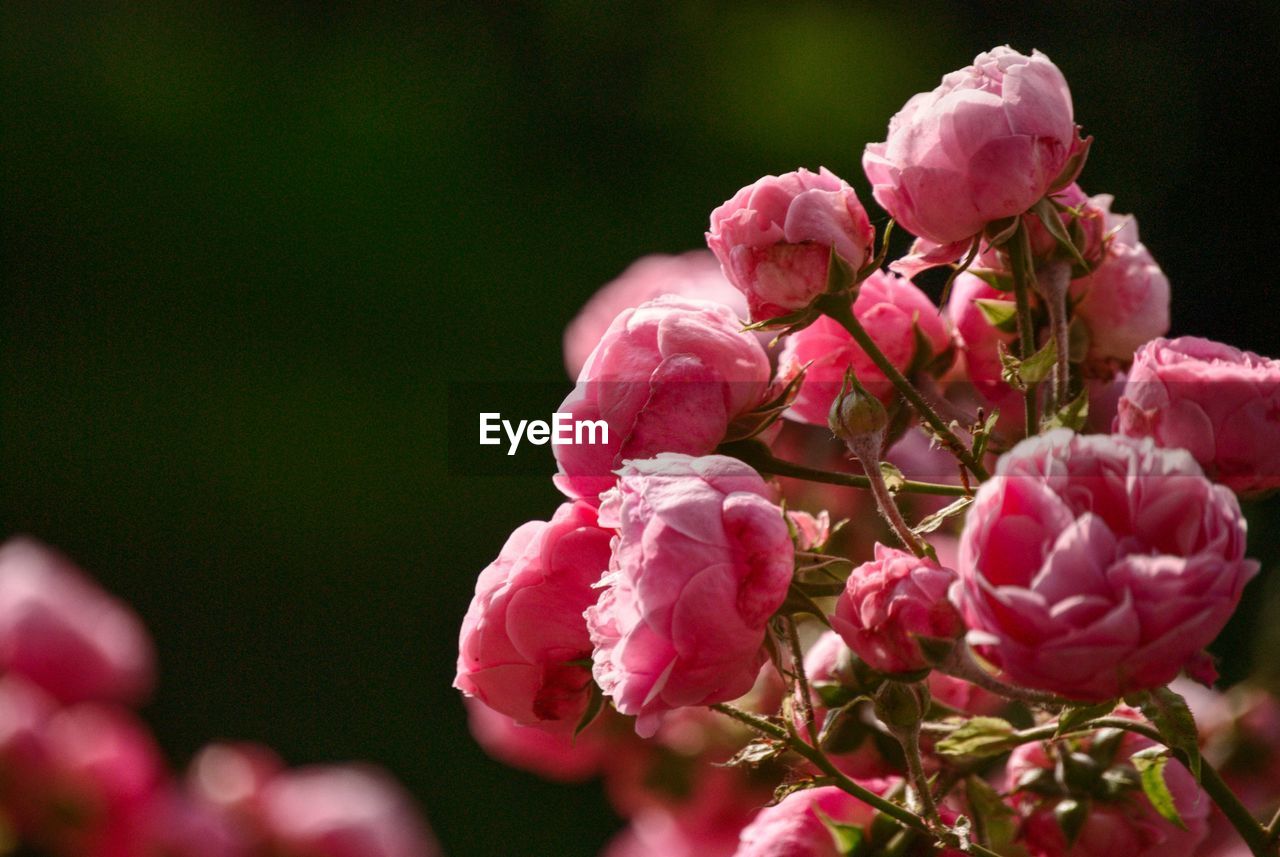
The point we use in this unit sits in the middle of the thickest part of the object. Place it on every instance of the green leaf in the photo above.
(849, 839)
(833, 694)
(978, 738)
(840, 275)
(994, 821)
(595, 704)
(1002, 315)
(1150, 764)
(1170, 714)
(755, 754)
(1048, 214)
(1037, 367)
(929, 523)
(1078, 339)
(1075, 716)
(1072, 415)
(983, 436)
(893, 478)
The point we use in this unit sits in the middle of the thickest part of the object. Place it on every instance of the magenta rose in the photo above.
(343, 811)
(891, 601)
(695, 274)
(64, 633)
(1219, 403)
(1095, 566)
(1118, 821)
(524, 639)
(774, 238)
(668, 376)
(702, 560)
(986, 144)
(897, 316)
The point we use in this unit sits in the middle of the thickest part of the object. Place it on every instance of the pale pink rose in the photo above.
(1094, 566)
(1125, 300)
(979, 341)
(61, 631)
(232, 777)
(891, 601)
(1116, 824)
(986, 144)
(668, 376)
(559, 756)
(343, 811)
(774, 238)
(524, 638)
(811, 530)
(1217, 402)
(892, 310)
(658, 833)
(702, 561)
(695, 274)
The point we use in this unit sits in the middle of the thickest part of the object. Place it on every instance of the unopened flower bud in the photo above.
(858, 418)
(901, 706)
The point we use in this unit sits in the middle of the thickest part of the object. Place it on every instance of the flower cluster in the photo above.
(1045, 531)
(81, 776)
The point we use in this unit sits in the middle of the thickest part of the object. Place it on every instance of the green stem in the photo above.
(1053, 285)
(961, 664)
(840, 310)
(802, 681)
(867, 451)
(1024, 278)
(758, 456)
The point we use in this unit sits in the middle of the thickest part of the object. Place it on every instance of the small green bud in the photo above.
(901, 706)
(1071, 815)
(857, 417)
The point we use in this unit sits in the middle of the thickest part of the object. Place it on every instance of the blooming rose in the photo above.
(702, 561)
(897, 316)
(1094, 566)
(232, 777)
(794, 827)
(524, 632)
(62, 632)
(889, 602)
(695, 274)
(668, 376)
(987, 143)
(343, 811)
(1124, 823)
(775, 237)
(1217, 402)
(556, 755)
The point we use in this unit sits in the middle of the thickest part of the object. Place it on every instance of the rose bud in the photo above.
(695, 274)
(65, 634)
(524, 643)
(986, 144)
(1096, 566)
(559, 756)
(668, 376)
(1217, 402)
(702, 560)
(897, 316)
(1108, 814)
(889, 603)
(774, 239)
(343, 811)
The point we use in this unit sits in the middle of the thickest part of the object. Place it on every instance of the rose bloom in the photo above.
(892, 310)
(774, 238)
(61, 631)
(986, 144)
(558, 756)
(1095, 566)
(1219, 403)
(695, 274)
(889, 602)
(524, 630)
(702, 560)
(668, 376)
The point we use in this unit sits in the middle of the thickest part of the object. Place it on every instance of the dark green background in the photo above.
(247, 250)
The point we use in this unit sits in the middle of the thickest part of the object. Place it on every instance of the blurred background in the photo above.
(249, 250)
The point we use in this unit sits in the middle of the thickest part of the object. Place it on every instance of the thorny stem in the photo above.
(841, 311)
(758, 456)
(1053, 283)
(802, 681)
(868, 452)
(1024, 279)
(961, 664)
(910, 740)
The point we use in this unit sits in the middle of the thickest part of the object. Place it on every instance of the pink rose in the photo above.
(889, 602)
(524, 631)
(343, 811)
(668, 376)
(658, 833)
(987, 143)
(1123, 823)
(559, 756)
(892, 310)
(703, 559)
(1094, 566)
(232, 777)
(1125, 300)
(62, 632)
(1220, 404)
(695, 274)
(774, 238)
(175, 825)
(980, 340)
(794, 826)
